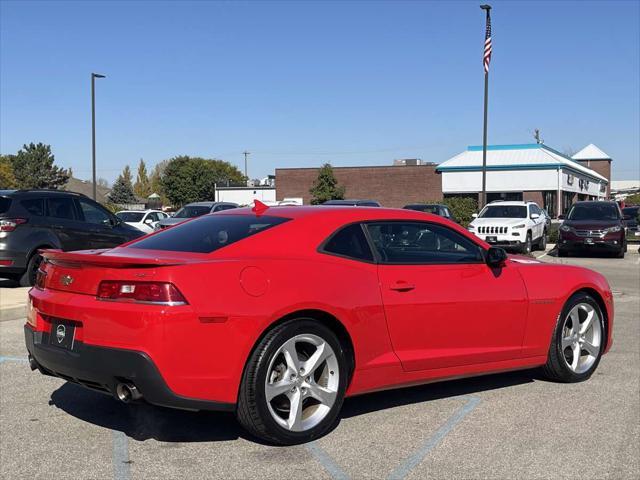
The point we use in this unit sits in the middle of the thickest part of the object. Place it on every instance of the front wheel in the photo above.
(578, 340)
(542, 243)
(294, 382)
(526, 246)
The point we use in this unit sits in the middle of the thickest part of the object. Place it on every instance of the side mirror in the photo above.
(148, 220)
(496, 257)
(534, 216)
(475, 215)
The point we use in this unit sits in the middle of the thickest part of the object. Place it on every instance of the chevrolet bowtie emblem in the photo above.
(66, 280)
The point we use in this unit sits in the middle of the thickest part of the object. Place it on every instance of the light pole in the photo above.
(93, 128)
(486, 59)
(246, 154)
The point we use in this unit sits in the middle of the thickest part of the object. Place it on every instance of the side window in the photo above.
(219, 208)
(422, 243)
(34, 206)
(62, 207)
(349, 242)
(94, 214)
(534, 209)
(153, 216)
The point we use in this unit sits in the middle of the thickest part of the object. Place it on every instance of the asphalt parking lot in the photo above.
(514, 425)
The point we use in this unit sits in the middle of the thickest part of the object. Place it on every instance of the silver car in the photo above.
(192, 210)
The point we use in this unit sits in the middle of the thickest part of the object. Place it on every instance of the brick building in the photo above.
(595, 159)
(392, 186)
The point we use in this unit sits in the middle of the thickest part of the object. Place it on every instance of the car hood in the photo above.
(591, 224)
(497, 221)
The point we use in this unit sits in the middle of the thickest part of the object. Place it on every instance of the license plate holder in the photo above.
(588, 241)
(62, 334)
(492, 239)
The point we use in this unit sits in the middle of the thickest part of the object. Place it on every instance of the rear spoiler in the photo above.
(114, 260)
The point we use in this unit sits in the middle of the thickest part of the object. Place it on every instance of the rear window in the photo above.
(5, 203)
(192, 211)
(133, 217)
(208, 233)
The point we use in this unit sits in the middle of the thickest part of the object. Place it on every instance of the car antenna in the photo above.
(259, 207)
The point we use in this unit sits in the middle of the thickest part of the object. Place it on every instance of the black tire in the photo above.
(542, 242)
(556, 368)
(28, 278)
(252, 410)
(620, 254)
(562, 252)
(527, 246)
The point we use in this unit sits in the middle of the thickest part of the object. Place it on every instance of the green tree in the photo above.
(33, 168)
(632, 199)
(193, 179)
(7, 178)
(325, 187)
(462, 208)
(142, 187)
(122, 190)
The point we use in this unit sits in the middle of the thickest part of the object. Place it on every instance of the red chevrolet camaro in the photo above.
(279, 313)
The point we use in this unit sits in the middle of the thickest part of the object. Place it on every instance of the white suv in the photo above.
(517, 225)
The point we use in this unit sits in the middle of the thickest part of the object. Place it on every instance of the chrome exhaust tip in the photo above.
(127, 392)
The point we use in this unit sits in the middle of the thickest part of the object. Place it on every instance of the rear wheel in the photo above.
(28, 278)
(526, 246)
(578, 340)
(294, 382)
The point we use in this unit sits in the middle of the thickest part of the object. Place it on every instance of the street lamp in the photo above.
(93, 127)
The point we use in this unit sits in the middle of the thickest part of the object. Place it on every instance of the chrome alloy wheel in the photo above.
(302, 382)
(581, 337)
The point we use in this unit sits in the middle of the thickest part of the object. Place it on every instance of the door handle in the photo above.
(402, 286)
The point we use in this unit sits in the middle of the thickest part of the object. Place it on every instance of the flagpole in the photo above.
(483, 198)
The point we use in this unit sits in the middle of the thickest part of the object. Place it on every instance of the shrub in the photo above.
(462, 208)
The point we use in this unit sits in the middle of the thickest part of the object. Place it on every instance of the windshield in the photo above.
(504, 211)
(191, 211)
(132, 217)
(594, 211)
(207, 234)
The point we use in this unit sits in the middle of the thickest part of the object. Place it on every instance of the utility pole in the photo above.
(93, 128)
(246, 154)
(486, 59)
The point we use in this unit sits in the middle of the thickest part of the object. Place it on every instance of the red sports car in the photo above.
(279, 313)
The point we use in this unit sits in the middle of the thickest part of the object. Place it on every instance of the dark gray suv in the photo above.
(35, 219)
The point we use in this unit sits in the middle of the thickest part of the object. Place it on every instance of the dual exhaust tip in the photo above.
(127, 392)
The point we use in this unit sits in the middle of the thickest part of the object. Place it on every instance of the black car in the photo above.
(592, 226)
(35, 219)
(630, 215)
(435, 208)
(353, 203)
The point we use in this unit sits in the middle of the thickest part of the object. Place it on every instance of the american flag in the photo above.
(487, 46)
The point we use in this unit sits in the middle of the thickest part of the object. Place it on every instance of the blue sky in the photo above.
(303, 83)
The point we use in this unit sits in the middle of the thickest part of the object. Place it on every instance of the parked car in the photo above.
(35, 219)
(192, 210)
(517, 225)
(593, 226)
(277, 314)
(353, 203)
(435, 208)
(143, 220)
(630, 217)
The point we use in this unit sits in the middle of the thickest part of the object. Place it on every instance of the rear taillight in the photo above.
(10, 224)
(41, 276)
(160, 293)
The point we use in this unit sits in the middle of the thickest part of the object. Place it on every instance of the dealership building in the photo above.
(531, 172)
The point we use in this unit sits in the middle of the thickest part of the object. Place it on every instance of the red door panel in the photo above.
(447, 315)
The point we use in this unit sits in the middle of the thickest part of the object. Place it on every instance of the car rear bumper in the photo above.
(103, 368)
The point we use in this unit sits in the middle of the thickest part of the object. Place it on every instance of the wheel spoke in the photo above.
(576, 356)
(317, 359)
(291, 356)
(566, 342)
(322, 394)
(295, 411)
(591, 348)
(272, 390)
(575, 320)
(588, 321)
